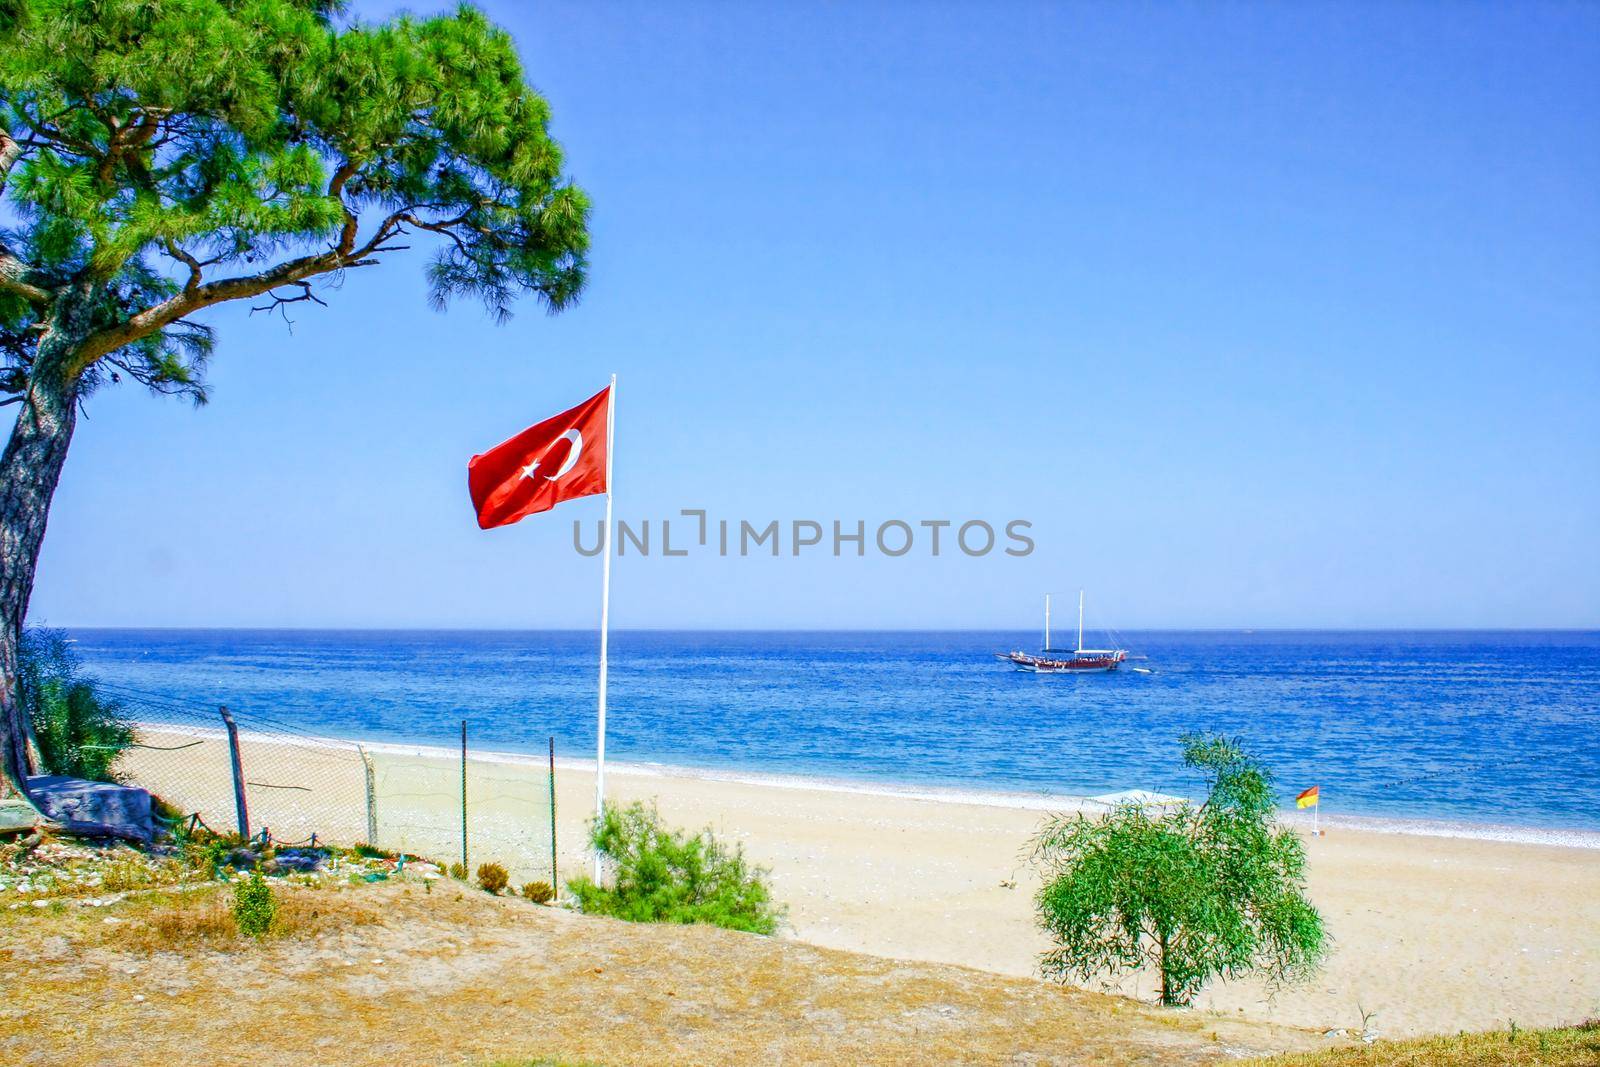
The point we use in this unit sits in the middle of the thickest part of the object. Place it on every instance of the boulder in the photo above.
(243, 859)
(299, 859)
(17, 816)
(120, 810)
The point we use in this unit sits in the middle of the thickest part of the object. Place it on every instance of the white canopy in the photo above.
(1139, 797)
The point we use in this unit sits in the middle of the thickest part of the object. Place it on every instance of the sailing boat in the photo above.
(1077, 659)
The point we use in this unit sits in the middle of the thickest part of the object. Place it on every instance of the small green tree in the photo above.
(667, 876)
(1195, 893)
(78, 731)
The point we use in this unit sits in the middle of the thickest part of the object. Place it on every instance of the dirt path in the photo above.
(391, 974)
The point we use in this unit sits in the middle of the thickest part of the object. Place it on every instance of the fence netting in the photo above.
(297, 784)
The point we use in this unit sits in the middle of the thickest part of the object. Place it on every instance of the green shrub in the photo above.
(538, 892)
(1193, 893)
(207, 852)
(666, 875)
(80, 733)
(458, 871)
(492, 877)
(253, 906)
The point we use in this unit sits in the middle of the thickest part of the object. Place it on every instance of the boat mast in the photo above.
(1080, 620)
(1047, 622)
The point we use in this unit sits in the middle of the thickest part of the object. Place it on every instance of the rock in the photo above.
(123, 809)
(299, 859)
(17, 816)
(243, 859)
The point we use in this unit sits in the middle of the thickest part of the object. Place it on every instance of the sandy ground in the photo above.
(396, 975)
(1432, 935)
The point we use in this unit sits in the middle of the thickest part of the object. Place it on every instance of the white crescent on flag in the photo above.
(572, 453)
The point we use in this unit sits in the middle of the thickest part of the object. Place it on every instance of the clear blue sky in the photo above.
(1264, 315)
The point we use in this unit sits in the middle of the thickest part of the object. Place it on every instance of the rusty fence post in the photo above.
(240, 809)
(464, 795)
(372, 796)
(553, 883)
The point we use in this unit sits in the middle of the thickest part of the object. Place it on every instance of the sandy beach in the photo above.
(1432, 934)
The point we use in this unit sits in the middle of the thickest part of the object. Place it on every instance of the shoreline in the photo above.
(1413, 826)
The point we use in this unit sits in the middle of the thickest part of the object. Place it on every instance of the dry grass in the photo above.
(82, 870)
(203, 918)
(1564, 1047)
(390, 973)
(120, 876)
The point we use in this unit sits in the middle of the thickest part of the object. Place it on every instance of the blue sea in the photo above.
(1475, 727)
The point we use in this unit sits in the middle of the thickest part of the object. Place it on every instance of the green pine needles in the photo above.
(667, 876)
(167, 155)
(1194, 894)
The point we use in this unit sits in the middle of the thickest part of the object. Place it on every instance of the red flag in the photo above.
(562, 458)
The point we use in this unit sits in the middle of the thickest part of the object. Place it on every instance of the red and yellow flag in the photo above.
(1308, 799)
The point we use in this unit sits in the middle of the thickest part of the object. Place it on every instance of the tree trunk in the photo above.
(1167, 997)
(29, 473)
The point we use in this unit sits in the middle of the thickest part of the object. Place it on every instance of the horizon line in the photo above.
(830, 630)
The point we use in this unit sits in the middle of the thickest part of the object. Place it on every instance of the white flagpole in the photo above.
(605, 630)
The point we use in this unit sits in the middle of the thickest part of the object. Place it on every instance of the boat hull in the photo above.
(1022, 661)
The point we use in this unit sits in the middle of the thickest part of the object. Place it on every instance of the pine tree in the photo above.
(160, 157)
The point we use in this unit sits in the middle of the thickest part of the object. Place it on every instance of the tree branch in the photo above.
(10, 150)
(187, 260)
(18, 277)
(446, 227)
(159, 316)
(108, 340)
(279, 303)
(336, 184)
(289, 273)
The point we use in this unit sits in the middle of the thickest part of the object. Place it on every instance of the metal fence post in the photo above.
(372, 797)
(240, 809)
(464, 793)
(553, 813)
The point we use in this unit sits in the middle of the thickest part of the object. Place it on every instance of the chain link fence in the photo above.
(252, 773)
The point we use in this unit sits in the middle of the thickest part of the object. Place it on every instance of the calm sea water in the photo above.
(1474, 727)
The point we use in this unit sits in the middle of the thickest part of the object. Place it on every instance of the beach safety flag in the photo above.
(1308, 799)
(562, 458)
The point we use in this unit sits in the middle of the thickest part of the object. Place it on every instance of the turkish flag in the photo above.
(562, 458)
